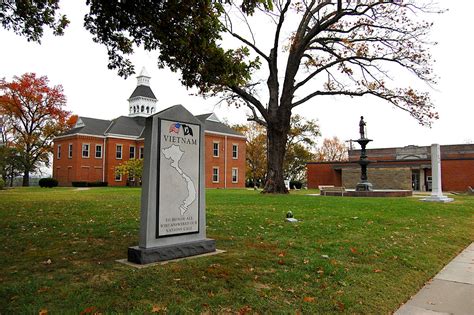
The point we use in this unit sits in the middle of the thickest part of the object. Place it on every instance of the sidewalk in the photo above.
(451, 291)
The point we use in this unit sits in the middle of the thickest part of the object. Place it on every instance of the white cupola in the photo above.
(142, 102)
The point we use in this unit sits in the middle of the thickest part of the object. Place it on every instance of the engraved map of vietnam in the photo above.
(174, 154)
(179, 178)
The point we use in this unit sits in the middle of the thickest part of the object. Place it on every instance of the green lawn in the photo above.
(353, 255)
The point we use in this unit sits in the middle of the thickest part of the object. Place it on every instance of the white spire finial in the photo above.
(143, 78)
(144, 73)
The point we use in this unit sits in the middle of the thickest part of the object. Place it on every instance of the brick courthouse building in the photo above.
(399, 168)
(93, 148)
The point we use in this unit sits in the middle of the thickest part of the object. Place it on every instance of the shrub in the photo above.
(2, 183)
(79, 184)
(48, 182)
(294, 184)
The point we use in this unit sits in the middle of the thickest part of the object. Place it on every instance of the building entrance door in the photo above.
(415, 179)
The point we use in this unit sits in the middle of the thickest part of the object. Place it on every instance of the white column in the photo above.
(437, 191)
(422, 179)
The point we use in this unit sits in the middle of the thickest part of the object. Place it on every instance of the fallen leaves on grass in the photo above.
(158, 308)
(262, 286)
(309, 299)
(340, 306)
(377, 270)
(353, 250)
(43, 312)
(43, 289)
(89, 310)
(244, 310)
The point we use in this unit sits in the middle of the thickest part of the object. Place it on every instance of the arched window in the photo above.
(147, 110)
(143, 109)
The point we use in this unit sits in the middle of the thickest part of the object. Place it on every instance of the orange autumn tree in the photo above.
(332, 149)
(33, 115)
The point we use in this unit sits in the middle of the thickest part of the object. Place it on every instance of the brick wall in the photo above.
(78, 167)
(381, 178)
(66, 170)
(457, 175)
(224, 162)
(322, 174)
(112, 161)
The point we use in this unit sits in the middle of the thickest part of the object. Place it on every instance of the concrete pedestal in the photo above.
(162, 253)
(364, 186)
(437, 199)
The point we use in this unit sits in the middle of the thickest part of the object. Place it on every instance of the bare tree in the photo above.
(338, 48)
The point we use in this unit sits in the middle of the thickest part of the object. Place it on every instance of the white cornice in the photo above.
(78, 134)
(224, 134)
(117, 136)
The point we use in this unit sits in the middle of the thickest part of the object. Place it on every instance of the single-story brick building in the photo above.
(399, 168)
(93, 148)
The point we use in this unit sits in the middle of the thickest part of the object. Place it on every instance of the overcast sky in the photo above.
(92, 90)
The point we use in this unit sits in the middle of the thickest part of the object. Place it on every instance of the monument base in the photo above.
(364, 186)
(143, 256)
(435, 198)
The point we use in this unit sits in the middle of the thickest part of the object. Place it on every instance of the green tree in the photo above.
(10, 166)
(28, 18)
(346, 48)
(33, 115)
(133, 169)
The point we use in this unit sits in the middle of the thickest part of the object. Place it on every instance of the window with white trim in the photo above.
(85, 150)
(118, 151)
(98, 151)
(59, 152)
(132, 152)
(235, 175)
(118, 177)
(142, 152)
(69, 151)
(215, 149)
(215, 174)
(235, 151)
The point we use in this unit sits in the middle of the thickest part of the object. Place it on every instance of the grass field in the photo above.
(353, 255)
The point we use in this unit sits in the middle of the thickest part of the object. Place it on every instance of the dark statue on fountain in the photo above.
(362, 127)
(364, 184)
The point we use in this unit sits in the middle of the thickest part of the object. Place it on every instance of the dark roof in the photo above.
(129, 126)
(214, 126)
(134, 126)
(92, 126)
(143, 90)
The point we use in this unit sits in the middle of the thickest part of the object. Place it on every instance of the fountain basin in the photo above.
(372, 193)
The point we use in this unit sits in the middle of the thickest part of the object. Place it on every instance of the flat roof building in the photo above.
(399, 168)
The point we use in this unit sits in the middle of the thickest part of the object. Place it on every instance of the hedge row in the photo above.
(48, 182)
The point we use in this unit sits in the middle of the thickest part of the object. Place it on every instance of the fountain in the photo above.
(364, 184)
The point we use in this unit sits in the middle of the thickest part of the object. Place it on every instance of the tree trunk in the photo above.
(276, 137)
(26, 178)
